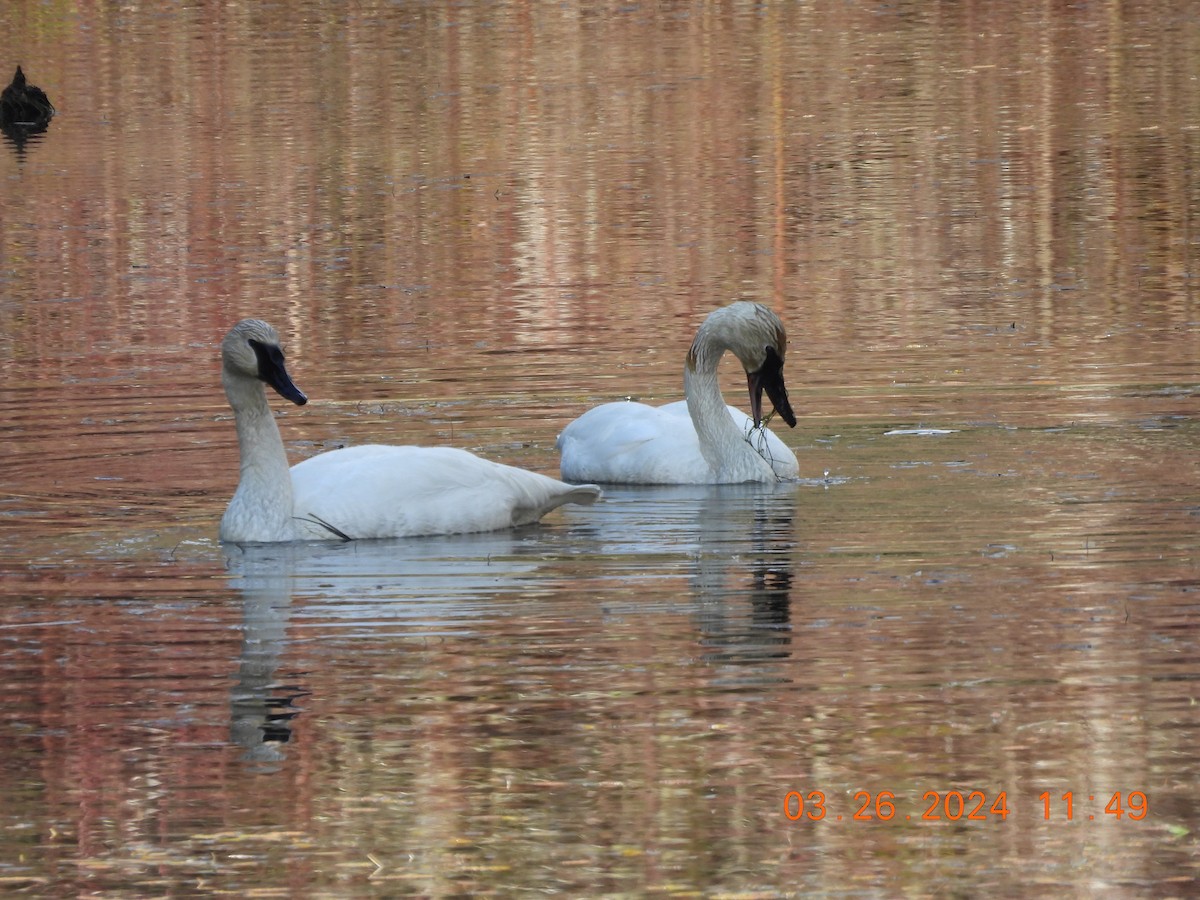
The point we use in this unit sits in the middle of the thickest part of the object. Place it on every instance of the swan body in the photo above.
(370, 491)
(699, 440)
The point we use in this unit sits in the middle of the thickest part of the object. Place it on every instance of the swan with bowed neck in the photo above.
(372, 491)
(699, 440)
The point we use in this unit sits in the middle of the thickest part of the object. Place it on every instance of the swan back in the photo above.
(380, 491)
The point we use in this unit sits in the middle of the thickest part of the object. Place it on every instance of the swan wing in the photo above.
(633, 443)
(377, 491)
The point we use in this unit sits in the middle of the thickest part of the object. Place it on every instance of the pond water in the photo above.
(960, 657)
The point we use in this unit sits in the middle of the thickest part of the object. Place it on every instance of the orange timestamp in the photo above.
(961, 806)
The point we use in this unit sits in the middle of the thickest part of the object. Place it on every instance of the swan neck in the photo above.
(261, 508)
(722, 443)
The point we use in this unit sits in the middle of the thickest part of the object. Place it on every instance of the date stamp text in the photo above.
(965, 806)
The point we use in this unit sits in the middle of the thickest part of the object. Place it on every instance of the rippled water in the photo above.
(472, 222)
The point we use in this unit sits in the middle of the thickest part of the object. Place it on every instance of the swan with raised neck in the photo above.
(700, 440)
(369, 491)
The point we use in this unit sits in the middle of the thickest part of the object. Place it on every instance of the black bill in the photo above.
(769, 378)
(272, 370)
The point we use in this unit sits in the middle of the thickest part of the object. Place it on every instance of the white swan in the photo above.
(370, 491)
(699, 440)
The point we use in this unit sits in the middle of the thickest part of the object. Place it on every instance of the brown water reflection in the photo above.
(470, 223)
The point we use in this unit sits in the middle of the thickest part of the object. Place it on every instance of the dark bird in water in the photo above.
(24, 104)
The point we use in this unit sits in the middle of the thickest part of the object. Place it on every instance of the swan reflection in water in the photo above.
(735, 542)
(733, 545)
(262, 708)
(437, 584)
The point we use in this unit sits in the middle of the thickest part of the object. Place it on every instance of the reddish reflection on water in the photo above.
(470, 224)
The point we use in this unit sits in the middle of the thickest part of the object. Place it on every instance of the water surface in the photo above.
(471, 223)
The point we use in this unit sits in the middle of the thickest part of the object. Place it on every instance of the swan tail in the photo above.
(583, 494)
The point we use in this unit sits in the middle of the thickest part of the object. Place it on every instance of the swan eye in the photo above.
(268, 356)
(773, 363)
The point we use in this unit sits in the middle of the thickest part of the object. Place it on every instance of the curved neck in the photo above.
(722, 443)
(261, 508)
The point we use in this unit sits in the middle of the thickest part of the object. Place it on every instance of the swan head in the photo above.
(252, 350)
(756, 336)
